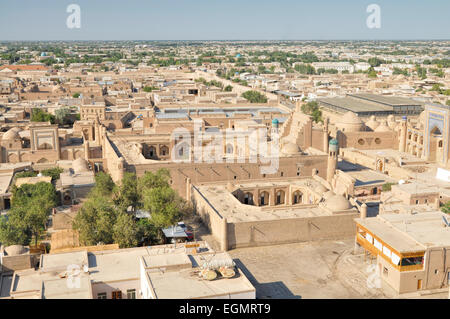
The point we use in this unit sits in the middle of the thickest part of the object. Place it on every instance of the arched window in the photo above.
(152, 152)
(279, 200)
(264, 198)
(45, 146)
(229, 149)
(164, 151)
(248, 198)
(436, 131)
(297, 197)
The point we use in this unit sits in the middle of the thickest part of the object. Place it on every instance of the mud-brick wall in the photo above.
(20, 262)
(260, 233)
(210, 217)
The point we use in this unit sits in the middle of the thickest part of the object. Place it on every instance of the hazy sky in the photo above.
(223, 20)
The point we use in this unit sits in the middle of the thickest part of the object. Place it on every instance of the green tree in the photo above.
(128, 194)
(147, 232)
(148, 89)
(164, 205)
(228, 88)
(27, 218)
(104, 185)
(62, 115)
(305, 69)
(446, 208)
(76, 95)
(152, 180)
(387, 187)
(12, 233)
(254, 97)
(421, 72)
(54, 173)
(38, 115)
(125, 231)
(372, 73)
(103, 217)
(95, 221)
(374, 62)
(312, 109)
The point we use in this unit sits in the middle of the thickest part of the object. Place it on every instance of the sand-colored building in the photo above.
(411, 250)
(133, 273)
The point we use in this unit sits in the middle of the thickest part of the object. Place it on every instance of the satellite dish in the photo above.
(447, 224)
(401, 182)
(85, 268)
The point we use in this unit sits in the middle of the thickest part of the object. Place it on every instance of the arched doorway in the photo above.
(435, 144)
(248, 198)
(279, 197)
(264, 198)
(164, 151)
(297, 198)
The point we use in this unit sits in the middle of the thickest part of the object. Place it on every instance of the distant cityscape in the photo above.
(195, 169)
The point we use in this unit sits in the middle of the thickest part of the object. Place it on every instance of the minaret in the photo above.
(97, 130)
(274, 128)
(325, 135)
(403, 132)
(333, 150)
(86, 148)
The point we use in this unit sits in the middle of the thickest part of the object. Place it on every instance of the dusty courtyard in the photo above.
(323, 269)
(320, 269)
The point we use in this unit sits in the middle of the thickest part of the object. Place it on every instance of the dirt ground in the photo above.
(320, 269)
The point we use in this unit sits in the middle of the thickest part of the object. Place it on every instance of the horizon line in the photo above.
(226, 40)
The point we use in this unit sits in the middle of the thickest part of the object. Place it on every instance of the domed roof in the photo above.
(350, 122)
(15, 250)
(337, 202)
(290, 149)
(372, 123)
(351, 118)
(12, 134)
(328, 194)
(333, 142)
(320, 189)
(275, 121)
(391, 121)
(80, 165)
(383, 127)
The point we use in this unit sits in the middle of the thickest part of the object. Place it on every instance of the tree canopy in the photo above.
(312, 109)
(106, 216)
(30, 208)
(38, 115)
(254, 97)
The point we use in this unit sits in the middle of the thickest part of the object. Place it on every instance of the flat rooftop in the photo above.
(387, 100)
(365, 104)
(185, 284)
(254, 111)
(231, 208)
(409, 232)
(370, 177)
(416, 188)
